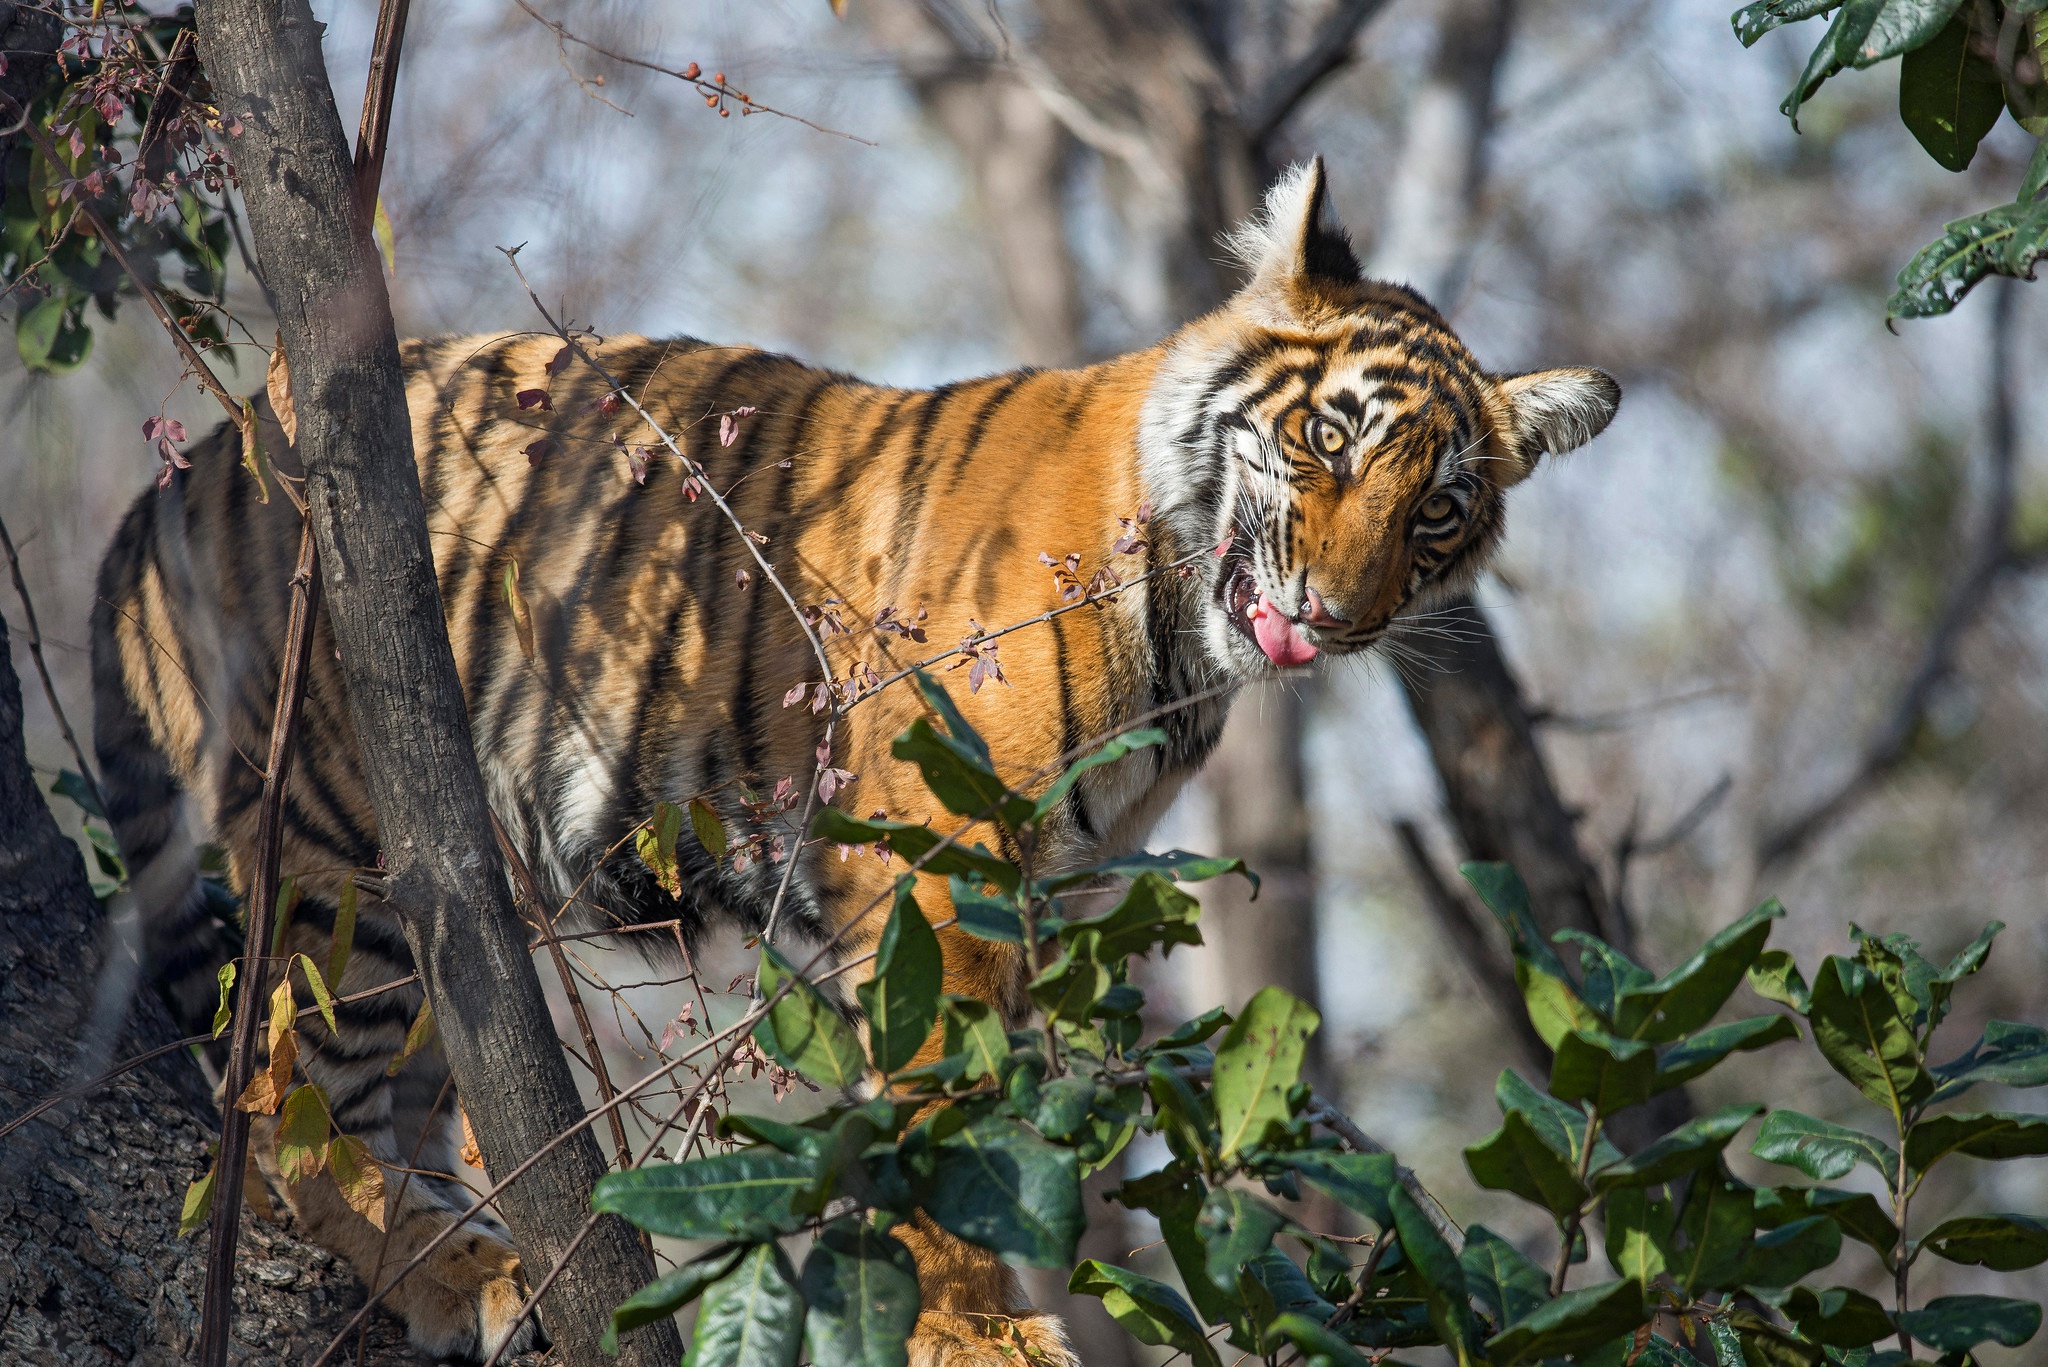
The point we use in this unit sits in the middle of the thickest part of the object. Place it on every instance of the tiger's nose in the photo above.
(1316, 613)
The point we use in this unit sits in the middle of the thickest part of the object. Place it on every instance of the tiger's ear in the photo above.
(1555, 411)
(1289, 241)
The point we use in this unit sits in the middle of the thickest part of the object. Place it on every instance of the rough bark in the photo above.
(405, 699)
(92, 1271)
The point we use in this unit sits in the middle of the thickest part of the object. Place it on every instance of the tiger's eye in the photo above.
(1438, 507)
(1325, 436)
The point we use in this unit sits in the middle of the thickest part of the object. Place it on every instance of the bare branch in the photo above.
(35, 650)
(1327, 53)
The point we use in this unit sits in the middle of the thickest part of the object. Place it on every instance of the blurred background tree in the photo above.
(1776, 632)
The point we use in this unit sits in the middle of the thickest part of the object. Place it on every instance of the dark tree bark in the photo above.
(92, 1271)
(405, 699)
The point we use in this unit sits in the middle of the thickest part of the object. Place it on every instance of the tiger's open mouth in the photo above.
(1278, 636)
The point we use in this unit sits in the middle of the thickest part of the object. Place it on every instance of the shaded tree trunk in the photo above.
(405, 700)
(92, 1271)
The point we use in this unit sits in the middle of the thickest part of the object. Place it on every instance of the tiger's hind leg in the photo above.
(462, 1297)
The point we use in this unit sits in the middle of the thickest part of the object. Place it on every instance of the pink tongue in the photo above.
(1279, 638)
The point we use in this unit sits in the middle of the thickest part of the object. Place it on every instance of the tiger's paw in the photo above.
(953, 1340)
(463, 1300)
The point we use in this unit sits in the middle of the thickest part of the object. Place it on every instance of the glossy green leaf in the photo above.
(1858, 1029)
(74, 785)
(1691, 994)
(1178, 865)
(1900, 27)
(1149, 1311)
(669, 1293)
(1235, 1227)
(753, 1316)
(1501, 1277)
(960, 775)
(1956, 1324)
(1316, 1343)
(1775, 977)
(1718, 1224)
(1782, 1256)
(1681, 1062)
(1257, 1063)
(957, 727)
(1858, 1213)
(1944, 100)
(1575, 1321)
(1821, 1149)
(1110, 753)
(915, 842)
(2005, 240)
(1360, 1181)
(803, 1031)
(1555, 1007)
(2003, 1243)
(860, 1289)
(902, 999)
(1151, 912)
(1764, 1344)
(996, 1184)
(1988, 1134)
(1605, 972)
(985, 915)
(2009, 1054)
(1754, 20)
(1516, 1158)
(709, 830)
(1593, 1066)
(1689, 1147)
(52, 336)
(745, 1195)
(1639, 1230)
(1839, 1317)
(1834, 51)
(974, 1029)
(1507, 897)
(2036, 174)
(1173, 1196)
(223, 1010)
(1448, 1297)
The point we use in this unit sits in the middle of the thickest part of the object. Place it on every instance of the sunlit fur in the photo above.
(655, 675)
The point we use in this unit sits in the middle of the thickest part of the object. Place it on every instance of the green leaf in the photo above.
(2003, 1243)
(861, 1289)
(1754, 20)
(1857, 1213)
(1193, 1032)
(1507, 897)
(2036, 175)
(745, 1195)
(669, 1293)
(53, 337)
(1834, 51)
(1685, 1060)
(225, 1009)
(710, 831)
(2005, 240)
(1943, 101)
(802, 1031)
(72, 784)
(914, 842)
(984, 915)
(1593, 1066)
(1063, 1106)
(1989, 1134)
(1900, 27)
(1781, 1256)
(1607, 971)
(1359, 1181)
(1554, 1005)
(1689, 1147)
(961, 776)
(1821, 1149)
(1966, 963)
(1236, 1227)
(302, 1130)
(1178, 865)
(655, 843)
(1316, 1342)
(1639, 1229)
(1774, 977)
(1858, 1029)
(1573, 1322)
(1173, 1195)
(1501, 1277)
(751, 1317)
(1766, 1345)
(1115, 750)
(198, 1201)
(1956, 1324)
(1151, 912)
(996, 1184)
(957, 727)
(1448, 1297)
(321, 998)
(1839, 1317)
(2010, 1054)
(1515, 1158)
(1257, 1063)
(902, 999)
(1149, 1311)
(1691, 994)
(974, 1029)
(1718, 1223)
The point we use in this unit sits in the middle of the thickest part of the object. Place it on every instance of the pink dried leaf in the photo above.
(538, 450)
(559, 362)
(795, 695)
(534, 398)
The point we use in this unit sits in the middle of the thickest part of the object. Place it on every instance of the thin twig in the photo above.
(35, 650)
(1327, 52)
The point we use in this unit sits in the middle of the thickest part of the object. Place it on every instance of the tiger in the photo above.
(1275, 482)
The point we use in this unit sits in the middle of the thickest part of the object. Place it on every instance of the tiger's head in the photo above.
(1341, 444)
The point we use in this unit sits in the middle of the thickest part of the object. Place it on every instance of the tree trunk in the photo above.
(405, 700)
(92, 1271)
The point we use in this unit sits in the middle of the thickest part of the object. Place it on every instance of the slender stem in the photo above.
(1576, 1220)
(35, 650)
(1902, 1201)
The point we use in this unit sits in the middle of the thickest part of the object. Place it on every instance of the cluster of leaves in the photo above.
(988, 1131)
(126, 113)
(1963, 64)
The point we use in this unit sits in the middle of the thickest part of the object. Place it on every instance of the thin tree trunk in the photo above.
(406, 702)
